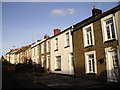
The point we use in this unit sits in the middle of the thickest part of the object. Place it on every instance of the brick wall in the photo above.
(99, 47)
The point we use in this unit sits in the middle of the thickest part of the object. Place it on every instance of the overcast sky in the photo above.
(26, 22)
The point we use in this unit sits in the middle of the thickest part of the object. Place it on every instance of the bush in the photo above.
(20, 68)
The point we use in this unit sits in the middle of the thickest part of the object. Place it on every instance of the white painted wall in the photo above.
(117, 21)
(18, 58)
(35, 54)
(12, 59)
(63, 52)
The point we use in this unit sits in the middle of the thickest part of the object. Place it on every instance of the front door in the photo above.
(112, 66)
(71, 63)
(48, 63)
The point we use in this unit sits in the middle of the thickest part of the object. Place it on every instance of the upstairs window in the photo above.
(56, 44)
(88, 35)
(108, 28)
(48, 46)
(67, 41)
(42, 48)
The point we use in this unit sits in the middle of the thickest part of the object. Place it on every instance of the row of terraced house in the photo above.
(89, 49)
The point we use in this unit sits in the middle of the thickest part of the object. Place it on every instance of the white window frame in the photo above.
(85, 35)
(56, 43)
(42, 61)
(104, 28)
(87, 62)
(38, 48)
(47, 62)
(56, 66)
(67, 39)
(48, 46)
(42, 48)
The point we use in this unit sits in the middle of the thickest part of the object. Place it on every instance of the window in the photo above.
(67, 43)
(90, 59)
(38, 48)
(42, 48)
(48, 46)
(88, 35)
(58, 63)
(48, 62)
(108, 27)
(34, 51)
(42, 61)
(56, 44)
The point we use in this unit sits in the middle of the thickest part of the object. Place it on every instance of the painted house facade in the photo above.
(35, 50)
(62, 52)
(95, 44)
(15, 56)
(28, 52)
(11, 56)
(45, 53)
(117, 19)
(40, 53)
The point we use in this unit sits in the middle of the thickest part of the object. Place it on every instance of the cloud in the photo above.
(59, 12)
(63, 12)
(71, 11)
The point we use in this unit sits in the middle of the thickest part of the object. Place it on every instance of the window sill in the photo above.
(56, 50)
(91, 73)
(67, 46)
(109, 40)
(48, 52)
(88, 46)
(57, 69)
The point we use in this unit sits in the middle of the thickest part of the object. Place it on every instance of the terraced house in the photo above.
(45, 53)
(15, 56)
(95, 43)
(89, 49)
(11, 56)
(41, 53)
(62, 52)
(35, 57)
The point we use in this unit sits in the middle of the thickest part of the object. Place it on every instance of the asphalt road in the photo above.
(48, 81)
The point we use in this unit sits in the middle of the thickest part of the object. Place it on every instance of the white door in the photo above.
(112, 66)
(48, 63)
(71, 63)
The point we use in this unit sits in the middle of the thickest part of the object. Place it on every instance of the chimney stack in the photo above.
(56, 31)
(38, 40)
(33, 43)
(96, 11)
(46, 36)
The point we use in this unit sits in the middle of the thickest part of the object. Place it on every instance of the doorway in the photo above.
(112, 65)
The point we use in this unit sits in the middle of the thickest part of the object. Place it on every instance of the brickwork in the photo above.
(99, 47)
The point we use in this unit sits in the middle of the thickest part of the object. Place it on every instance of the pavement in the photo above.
(64, 81)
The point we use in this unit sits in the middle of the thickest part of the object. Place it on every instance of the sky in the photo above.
(26, 22)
